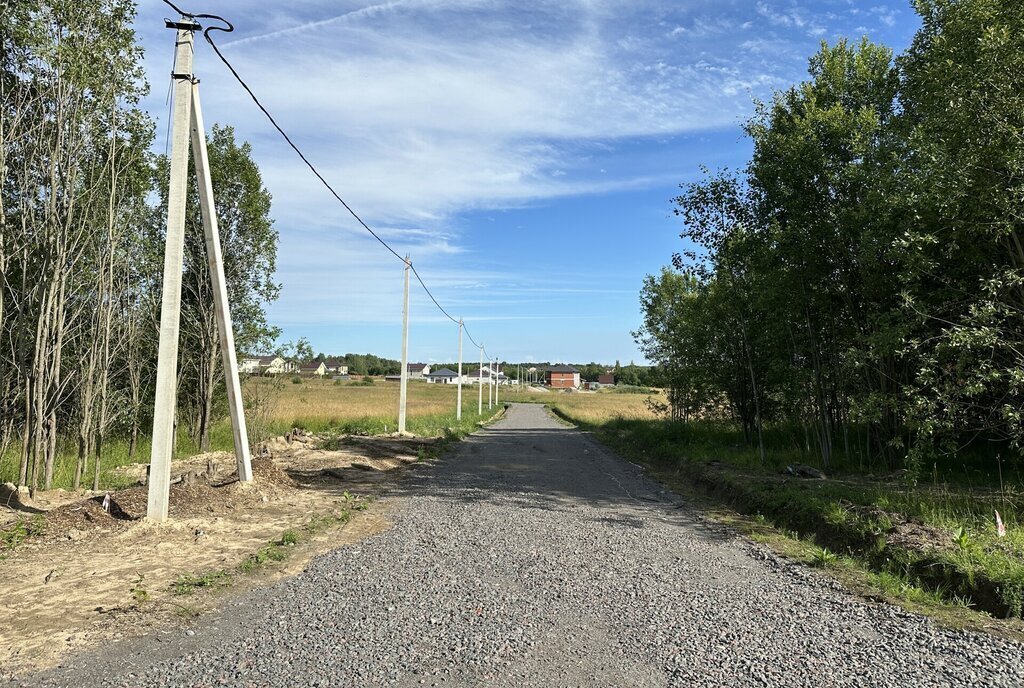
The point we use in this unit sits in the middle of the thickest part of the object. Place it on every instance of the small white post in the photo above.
(170, 306)
(480, 384)
(458, 402)
(403, 388)
(222, 309)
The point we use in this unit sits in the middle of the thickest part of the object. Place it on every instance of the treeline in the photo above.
(81, 245)
(861, 281)
(366, 364)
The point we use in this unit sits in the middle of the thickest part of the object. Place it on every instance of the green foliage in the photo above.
(21, 530)
(187, 584)
(862, 279)
(823, 558)
(138, 590)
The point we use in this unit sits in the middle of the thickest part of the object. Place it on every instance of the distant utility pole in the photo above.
(480, 384)
(458, 402)
(497, 381)
(404, 386)
(490, 384)
(187, 115)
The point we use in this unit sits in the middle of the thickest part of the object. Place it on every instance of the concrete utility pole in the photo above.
(497, 381)
(187, 117)
(458, 402)
(490, 384)
(170, 306)
(403, 388)
(215, 260)
(480, 384)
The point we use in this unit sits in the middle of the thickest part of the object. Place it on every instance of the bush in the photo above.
(296, 380)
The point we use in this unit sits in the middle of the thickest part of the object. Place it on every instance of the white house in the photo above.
(443, 376)
(316, 368)
(417, 371)
(336, 367)
(474, 377)
(265, 365)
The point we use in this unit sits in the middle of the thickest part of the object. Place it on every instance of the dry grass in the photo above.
(321, 404)
(592, 407)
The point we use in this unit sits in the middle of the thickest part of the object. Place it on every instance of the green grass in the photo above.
(21, 530)
(848, 515)
(274, 551)
(115, 454)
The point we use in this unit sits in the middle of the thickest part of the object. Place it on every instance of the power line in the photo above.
(228, 28)
(295, 148)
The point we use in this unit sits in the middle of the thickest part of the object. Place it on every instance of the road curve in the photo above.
(532, 556)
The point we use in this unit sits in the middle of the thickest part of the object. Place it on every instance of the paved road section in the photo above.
(532, 556)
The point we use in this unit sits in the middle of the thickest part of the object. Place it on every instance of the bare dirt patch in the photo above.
(86, 573)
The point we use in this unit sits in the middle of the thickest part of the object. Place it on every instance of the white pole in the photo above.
(402, 393)
(170, 307)
(458, 402)
(480, 384)
(222, 308)
(490, 384)
(497, 381)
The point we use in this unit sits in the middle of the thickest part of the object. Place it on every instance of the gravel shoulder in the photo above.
(532, 556)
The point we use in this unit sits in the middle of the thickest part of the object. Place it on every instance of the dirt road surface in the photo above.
(532, 556)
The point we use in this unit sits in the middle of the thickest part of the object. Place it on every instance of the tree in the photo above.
(249, 243)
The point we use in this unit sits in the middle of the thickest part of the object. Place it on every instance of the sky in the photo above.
(524, 154)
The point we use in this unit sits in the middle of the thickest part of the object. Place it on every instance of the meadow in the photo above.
(276, 405)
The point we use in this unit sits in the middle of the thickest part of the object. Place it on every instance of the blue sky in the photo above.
(524, 153)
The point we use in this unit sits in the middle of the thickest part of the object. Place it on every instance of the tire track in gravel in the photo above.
(533, 556)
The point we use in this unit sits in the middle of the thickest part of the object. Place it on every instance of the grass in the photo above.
(274, 551)
(355, 407)
(21, 530)
(846, 521)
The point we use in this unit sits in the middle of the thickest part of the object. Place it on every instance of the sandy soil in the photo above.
(81, 581)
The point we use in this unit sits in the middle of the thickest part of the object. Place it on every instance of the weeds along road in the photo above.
(531, 556)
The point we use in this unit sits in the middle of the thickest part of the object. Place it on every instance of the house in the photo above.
(444, 376)
(265, 365)
(562, 377)
(417, 371)
(316, 368)
(606, 379)
(336, 367)
(474, 377)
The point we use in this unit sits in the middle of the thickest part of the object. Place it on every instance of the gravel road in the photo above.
(532, 556)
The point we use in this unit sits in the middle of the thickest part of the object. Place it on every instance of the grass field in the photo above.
(276, 406)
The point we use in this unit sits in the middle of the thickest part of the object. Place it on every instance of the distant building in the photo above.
(606, 379)
(315, 369)
(335, 367)
(444, 376)
(563, 377)
(265, 365)
(417, 371)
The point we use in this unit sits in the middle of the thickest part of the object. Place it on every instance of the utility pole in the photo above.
(480, 384)
(170, 307)
(187, 122)
(497, 381)
(403, 388)
(490, 384)
(215, 260)
(458, 402)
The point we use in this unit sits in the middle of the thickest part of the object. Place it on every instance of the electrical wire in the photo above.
(228, 28)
